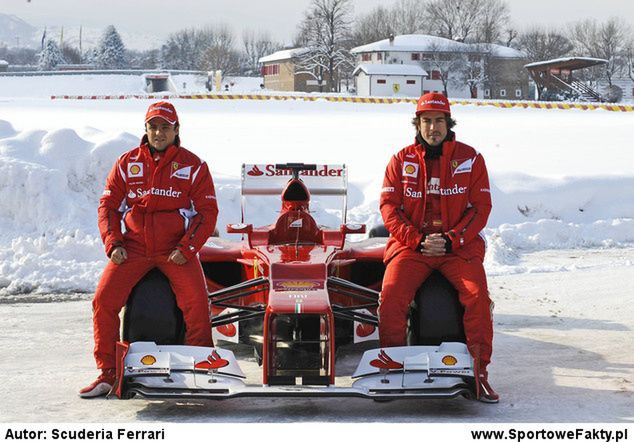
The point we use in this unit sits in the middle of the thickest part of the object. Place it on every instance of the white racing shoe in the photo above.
(487, 394)
(102, 385)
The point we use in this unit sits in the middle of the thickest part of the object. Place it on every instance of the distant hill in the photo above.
(12, 27)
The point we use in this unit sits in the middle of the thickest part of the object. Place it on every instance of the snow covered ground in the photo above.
(561, 243)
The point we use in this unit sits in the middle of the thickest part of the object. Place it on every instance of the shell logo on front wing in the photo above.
(148, 360)
(449, 360)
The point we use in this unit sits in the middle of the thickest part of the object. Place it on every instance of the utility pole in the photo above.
(80, 51)
(61, 38)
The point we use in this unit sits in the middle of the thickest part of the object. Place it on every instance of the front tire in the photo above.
(436, 315)
(151, 313)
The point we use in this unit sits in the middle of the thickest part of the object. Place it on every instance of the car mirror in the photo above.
(240, 228)
(351, 228)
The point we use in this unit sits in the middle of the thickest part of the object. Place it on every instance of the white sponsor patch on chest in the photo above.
(410, 169)
(433, 186)
(183, 173)
(135, 170)
(296, 224)
(461, 166)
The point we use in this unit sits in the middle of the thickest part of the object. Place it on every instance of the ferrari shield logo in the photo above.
(396, 88)
(183, 173)
(461, 166)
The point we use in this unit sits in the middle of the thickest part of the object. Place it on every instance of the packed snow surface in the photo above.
(560, 179)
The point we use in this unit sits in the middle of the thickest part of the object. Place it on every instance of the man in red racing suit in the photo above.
(435, 201)
(165, 197)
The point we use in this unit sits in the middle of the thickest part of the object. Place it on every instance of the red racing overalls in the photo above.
(465, 204)
(165, 203)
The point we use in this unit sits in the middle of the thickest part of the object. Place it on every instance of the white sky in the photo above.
(157, 18)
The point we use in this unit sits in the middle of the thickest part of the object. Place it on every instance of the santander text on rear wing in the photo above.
(330, 180)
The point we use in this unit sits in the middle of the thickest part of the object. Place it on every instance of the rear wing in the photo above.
(266, 179)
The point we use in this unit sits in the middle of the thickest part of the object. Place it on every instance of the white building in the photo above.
(389, 80)
(454, 67)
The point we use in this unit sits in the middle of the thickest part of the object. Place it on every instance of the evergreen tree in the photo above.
(50, 56)
(111, 53)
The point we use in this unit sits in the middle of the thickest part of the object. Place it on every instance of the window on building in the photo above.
(435, 75)
(474, 58)
(379, 56)
(380, 81)
(487, 92)
(415, 56)
(271, 69)
(411, 81)
(518, 93)
(366, 57)
(428, 56)
(502, 92)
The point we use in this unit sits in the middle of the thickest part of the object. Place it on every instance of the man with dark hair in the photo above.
(435, 201)
(164, 194)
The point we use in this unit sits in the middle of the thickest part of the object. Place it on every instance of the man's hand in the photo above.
(118, 255)
(434, 245)
(177, 257)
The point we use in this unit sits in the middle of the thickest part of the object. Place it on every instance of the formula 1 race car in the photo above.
(295, 292)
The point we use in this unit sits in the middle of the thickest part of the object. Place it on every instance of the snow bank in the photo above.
(54, 157)
(111, 84)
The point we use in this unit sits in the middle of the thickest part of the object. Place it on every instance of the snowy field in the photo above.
(560, 257)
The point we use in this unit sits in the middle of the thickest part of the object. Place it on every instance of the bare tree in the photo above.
(453, 19)
(445, 60)
(541, 44)
(494, 15)
(183, 50)
(376, 25)
(408, 16)
(71, 54)
(257, 46)
(405, 17)
(201, 49)
(325, 32)
(606, 40)
(510, 34)
(467, 20)
(220, 53)
(473, 68)
(630, 59)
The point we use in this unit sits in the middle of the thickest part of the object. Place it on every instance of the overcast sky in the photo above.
(157, 18)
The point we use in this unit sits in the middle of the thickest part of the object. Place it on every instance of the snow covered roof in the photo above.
(4, 63)
(391, 69)
(413, 43)
(500, 51)
(286, 54)
(570, 62)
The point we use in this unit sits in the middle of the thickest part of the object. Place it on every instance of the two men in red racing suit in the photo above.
(435, 201)
(164, 194)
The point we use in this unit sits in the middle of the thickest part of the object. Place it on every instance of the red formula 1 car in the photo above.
(296, 292)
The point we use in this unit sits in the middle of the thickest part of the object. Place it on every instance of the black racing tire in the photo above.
(436, 315)
(378, 231)
(151, 313)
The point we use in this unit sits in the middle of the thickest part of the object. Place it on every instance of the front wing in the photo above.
(160, 372)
